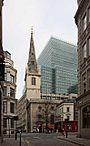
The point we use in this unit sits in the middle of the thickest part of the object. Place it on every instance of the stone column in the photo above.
(79, 122)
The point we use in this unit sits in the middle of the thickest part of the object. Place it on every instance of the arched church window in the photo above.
(33, 81)
(86, 117)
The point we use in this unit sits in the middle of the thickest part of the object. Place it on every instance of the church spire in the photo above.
(32, 64)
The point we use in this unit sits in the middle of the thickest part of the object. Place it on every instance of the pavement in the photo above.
(72, 137)
(12, 142)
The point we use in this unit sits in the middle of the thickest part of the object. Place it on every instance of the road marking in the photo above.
(28, 142)
(36, 137)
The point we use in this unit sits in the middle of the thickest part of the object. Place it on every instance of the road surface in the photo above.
(41, 139)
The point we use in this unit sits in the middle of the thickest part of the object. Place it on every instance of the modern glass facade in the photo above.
(58, 64)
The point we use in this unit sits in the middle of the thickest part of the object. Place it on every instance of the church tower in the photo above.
(32, 75)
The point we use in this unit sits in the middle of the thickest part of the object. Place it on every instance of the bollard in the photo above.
(16, 135)
(66, 134)
(20, 138)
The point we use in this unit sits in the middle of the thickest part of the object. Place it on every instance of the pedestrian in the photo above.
(63, 132)
(37, 129)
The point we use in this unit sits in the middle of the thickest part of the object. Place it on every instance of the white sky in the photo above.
(48, 18)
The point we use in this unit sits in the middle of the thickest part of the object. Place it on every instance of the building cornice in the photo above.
(82, 3)
(83, 95)
(43, 101)
(8, 66)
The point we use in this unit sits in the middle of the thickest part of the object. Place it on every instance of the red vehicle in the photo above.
(70, 126)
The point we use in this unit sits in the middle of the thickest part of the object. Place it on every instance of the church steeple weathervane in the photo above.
(32, 64)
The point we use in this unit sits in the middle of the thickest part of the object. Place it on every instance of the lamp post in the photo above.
(15, 119)
(46, 114)
(47, 122)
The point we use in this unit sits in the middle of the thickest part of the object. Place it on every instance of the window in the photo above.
(84, 81)
(62, 109)
(89, 82)
(88, 77)
(68, 109)
(12, 92)
(12, 123)
(5, 123)
(84, 87)
(33, 81)
(12, 78)
(52, 107)
(4, 106)
(89, 46)
(86, 117)
(68, 117)
(89, 14)
(5, 76)
(84, 22)
(12, 107)
(84, 51)
(4, 91)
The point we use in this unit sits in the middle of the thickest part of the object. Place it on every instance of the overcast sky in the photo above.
(48, 18)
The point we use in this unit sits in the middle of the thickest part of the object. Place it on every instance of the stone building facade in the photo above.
(8, 94)
(42, 112)
(1, 72)
(66, 111)
(82, 19)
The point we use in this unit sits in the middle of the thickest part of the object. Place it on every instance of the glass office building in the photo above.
(58, 65)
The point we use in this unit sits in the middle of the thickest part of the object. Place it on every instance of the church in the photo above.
(34, 112)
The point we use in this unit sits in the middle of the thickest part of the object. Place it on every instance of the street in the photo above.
(37, 139)
(42, 139)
